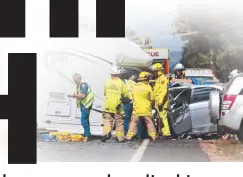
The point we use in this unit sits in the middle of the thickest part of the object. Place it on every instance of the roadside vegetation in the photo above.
(216, 39)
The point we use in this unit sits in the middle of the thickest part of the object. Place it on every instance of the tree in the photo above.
(219, 30)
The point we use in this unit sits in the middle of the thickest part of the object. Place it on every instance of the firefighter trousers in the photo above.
(133, 129)
(108, 120)
(165, 129)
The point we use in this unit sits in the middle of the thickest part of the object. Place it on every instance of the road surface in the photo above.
(145, 151)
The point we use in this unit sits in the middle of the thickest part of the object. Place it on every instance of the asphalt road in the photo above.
(95, 151)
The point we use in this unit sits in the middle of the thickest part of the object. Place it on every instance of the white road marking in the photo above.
(137, 157)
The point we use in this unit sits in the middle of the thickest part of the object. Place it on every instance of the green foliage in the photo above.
(219, 30)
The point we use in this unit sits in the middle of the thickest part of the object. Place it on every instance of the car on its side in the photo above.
(226, 107)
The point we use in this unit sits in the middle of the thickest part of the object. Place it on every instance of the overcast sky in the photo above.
(153, 18)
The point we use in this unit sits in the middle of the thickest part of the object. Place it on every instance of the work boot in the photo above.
(106, 137)
(151, 139)
(120, 141)
(128, 141)
(90, 138)
(165, 137)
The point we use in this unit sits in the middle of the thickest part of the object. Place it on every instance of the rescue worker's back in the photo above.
(116, 93)
(115, 88)
(143, 96)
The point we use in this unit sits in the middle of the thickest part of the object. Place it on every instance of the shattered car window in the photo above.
(183, 98)
(182, 95)
(171, 100)
(201, 94)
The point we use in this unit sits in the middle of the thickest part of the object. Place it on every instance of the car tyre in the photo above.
(214, 106)
(240, 133)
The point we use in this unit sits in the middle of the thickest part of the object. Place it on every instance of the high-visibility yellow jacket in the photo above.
(143, 97)
(115, 90)
(161, 91)
(130, 84)
(88, 100)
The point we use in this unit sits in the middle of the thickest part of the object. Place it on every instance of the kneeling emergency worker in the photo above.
(115, 94)
(143, 98)
(161, 93)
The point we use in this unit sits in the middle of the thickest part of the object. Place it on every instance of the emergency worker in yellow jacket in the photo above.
(143, 99)
(161, 93)
(116, 94)
(84, 100)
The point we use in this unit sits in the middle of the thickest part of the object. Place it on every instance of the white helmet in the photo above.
(234, 73)
(178, 66)
(116, 70)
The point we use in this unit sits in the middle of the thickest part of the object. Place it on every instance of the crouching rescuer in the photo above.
(161, 94)
(116, 94)
(143, 99)
(84, 100)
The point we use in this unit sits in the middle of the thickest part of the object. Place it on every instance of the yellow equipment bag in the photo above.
(78, 137)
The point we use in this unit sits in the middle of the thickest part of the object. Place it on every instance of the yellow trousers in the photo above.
(133, 128)
(164, 119)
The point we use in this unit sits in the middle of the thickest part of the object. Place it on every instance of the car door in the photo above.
(199, 110)
(178, 112)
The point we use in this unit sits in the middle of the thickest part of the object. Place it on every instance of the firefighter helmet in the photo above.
(116, 70)
(144, 76)
(179, 66)
(157, 67)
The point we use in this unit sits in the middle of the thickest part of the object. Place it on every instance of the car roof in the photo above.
(192, 86)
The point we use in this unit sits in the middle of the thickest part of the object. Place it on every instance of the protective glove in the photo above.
(160, 107)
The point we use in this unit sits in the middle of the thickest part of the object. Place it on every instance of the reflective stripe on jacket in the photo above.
(115, 90)
(143, 97)
(88, 100)
(161, 91)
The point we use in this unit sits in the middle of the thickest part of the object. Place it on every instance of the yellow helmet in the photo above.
(157, 67)
(143, 76)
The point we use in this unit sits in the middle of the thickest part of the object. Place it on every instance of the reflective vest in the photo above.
(88, 100)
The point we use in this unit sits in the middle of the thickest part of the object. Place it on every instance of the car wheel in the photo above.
(240, 133)
(214, 106)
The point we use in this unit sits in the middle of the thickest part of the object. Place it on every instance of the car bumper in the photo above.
(228, 122)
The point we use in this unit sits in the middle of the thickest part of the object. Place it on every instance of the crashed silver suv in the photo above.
(188, 112)
(226, 108)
